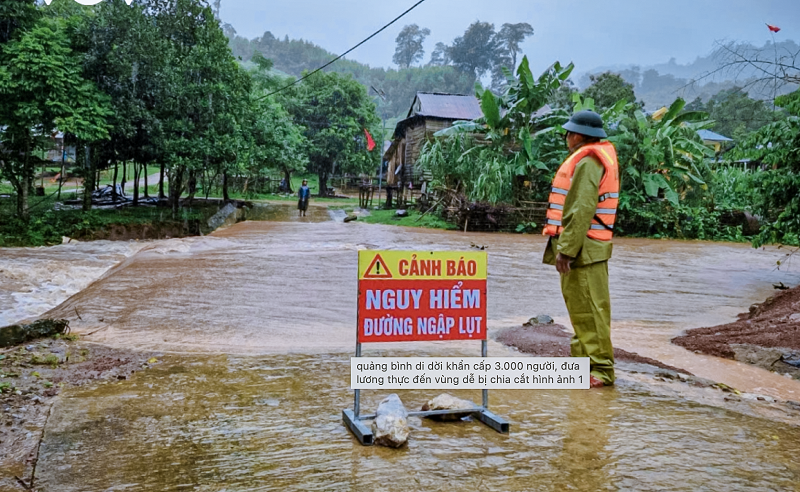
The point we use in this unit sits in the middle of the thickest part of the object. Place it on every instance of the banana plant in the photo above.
(516, 129)
(663, 154)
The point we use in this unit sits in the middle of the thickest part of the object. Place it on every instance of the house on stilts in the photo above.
(429, 113)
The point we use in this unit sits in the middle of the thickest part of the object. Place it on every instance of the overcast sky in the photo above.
(590, 33)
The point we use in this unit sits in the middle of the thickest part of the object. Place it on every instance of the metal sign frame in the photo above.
(354, 420)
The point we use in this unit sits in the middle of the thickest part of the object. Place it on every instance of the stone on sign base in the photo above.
(448, 402)
(390, 427)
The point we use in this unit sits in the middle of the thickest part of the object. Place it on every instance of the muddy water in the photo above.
(274, 423)
(276, 287)
(34, 280)
(265, 420)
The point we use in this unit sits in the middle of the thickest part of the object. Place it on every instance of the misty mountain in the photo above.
(659, 84)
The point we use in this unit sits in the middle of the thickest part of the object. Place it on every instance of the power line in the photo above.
(345, 53)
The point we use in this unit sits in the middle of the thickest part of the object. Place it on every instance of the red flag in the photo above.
(773, 28)
(370, 142)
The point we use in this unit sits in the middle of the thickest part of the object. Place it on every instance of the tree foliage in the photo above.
(474, 52)
(156, 83)
(43, 91)
(511, 36)
(334, 111)
(409, 48)
(735, 114)
(777, 147)
(608, 88)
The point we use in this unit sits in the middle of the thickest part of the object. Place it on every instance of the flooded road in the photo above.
(278, 287)
(258, 323)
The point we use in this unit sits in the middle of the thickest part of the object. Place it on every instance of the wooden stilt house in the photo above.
(429, 113)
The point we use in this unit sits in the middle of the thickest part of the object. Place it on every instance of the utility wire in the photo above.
(345, 53)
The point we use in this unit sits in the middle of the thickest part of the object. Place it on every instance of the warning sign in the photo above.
(415, 296)
(377, 269)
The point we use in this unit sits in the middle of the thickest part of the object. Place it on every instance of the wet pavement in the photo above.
(228, 409)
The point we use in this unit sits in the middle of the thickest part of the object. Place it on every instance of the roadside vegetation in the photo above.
(162, 100)
(673, 184)
(152, 90)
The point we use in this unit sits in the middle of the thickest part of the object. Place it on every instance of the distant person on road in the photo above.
(580, 222)
(304, 193)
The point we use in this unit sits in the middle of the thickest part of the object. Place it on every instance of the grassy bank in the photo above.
(47, 226)
(390, 217)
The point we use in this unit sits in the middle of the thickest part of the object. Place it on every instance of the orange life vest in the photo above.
(607, 200)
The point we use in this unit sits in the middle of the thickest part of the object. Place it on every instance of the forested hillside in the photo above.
(293, 56)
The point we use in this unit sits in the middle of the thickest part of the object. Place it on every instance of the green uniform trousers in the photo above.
(585, 291)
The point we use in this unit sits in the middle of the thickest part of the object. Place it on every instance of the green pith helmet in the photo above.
(587, 123)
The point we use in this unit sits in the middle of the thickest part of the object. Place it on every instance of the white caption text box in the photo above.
(469, 373)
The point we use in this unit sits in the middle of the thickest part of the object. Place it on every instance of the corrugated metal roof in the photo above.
(448, 106)
(713, 137)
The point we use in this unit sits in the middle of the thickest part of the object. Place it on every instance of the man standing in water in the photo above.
(304, 193)
(580, 221)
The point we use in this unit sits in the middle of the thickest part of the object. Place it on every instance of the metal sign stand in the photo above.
(354, 420)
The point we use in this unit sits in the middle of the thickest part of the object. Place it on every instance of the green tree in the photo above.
(123, 55)
(735, 114)
(334, 109)
(409, 48)
(15, 15)
(510, 36)
(439, 56)
(777, 146)
(43, 91)
(475, 52)
(276, 142)
(607, 89)
(201, 90)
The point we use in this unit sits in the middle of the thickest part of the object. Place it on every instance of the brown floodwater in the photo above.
(258, 322)
(274, 423)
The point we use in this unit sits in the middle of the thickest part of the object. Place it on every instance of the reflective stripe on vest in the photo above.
(608, 192)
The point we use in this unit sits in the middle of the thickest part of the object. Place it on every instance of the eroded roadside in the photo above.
(33, 374)
(768, 336)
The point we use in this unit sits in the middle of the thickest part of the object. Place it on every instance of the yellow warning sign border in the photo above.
(399, 264)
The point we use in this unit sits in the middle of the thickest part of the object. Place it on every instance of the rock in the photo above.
(764, 358)
(794, 317)
(401, 213)
(541, 319)
(390, 427)
(64, 239)
(350, 218)
(666, 374)
(14, 334)
(792, 358)
(751, 224)
(448, 402)
(226, 216)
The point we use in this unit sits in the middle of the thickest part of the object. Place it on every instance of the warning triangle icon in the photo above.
(378, 269)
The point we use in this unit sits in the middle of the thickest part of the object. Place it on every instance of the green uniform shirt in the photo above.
(579, 209)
